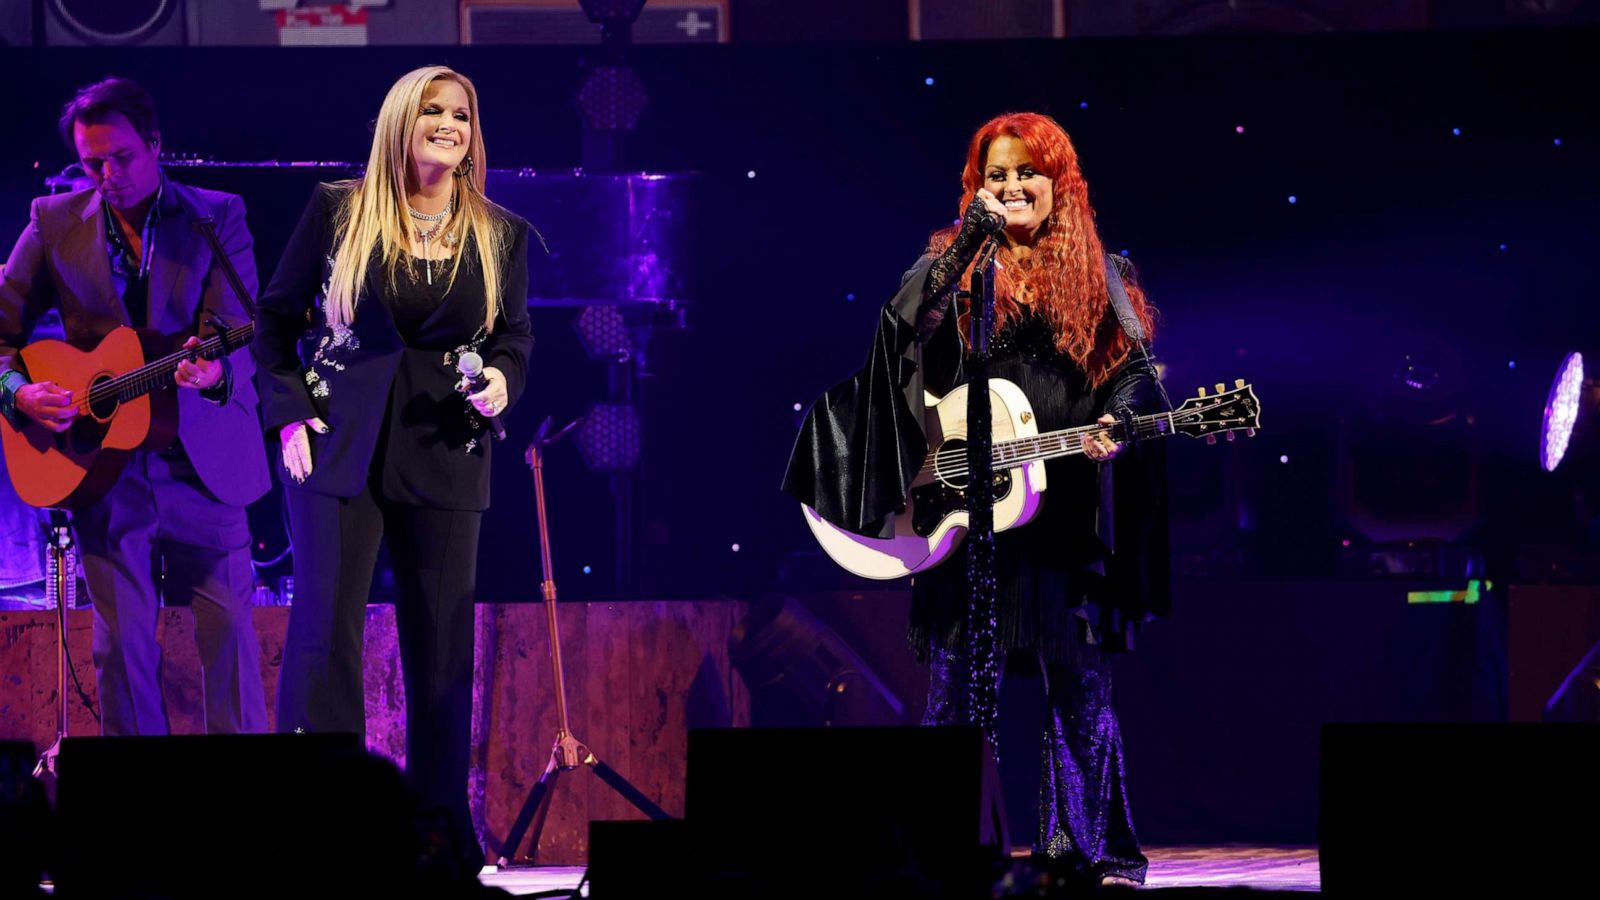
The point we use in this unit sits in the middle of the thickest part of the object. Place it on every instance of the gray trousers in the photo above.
(160, 533)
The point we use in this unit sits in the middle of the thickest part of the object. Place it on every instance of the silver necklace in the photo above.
(423, 237)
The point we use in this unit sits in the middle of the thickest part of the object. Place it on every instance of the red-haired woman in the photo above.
(1073, 586)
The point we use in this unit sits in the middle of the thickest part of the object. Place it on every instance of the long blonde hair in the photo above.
(373, 213)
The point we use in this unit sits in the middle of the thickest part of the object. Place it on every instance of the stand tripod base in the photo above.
(47, 759)
(567, 755)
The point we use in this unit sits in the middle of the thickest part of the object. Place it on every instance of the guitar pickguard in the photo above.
(933, 502)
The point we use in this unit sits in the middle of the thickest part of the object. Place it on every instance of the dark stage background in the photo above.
(1329, 217)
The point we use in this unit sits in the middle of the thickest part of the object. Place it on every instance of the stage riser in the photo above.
(639, 675)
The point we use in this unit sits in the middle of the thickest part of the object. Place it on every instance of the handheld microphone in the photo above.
(470, 365)
(987, 221)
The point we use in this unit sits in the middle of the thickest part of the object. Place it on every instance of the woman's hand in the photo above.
(992, 203)
(1098, 445)
(491, 401)
(297, 446)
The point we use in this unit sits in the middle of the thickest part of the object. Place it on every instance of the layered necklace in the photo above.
(426, 233)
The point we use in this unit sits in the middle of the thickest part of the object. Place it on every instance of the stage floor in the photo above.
(1262, 868)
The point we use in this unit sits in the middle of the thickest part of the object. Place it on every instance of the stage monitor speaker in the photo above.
(310, 23)
(644, 858)
(566, 22)
(798, 810)
(126, 23)
(1097, 18)
(24, 821)
(957, 20)
(200, 815)
(788, 22)
(16, 23)
(1458, 809)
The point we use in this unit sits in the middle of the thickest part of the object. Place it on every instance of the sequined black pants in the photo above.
(1083, 798)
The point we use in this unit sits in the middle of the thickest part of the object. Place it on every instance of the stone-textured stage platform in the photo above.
(639, 675)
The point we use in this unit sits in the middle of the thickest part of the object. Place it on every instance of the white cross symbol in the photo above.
(692, 25)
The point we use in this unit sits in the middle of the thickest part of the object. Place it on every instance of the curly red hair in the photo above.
(1065, 273)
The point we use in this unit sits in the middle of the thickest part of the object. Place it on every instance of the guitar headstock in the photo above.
(1226, 412)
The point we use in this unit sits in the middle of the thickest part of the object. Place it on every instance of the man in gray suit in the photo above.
(125, 252)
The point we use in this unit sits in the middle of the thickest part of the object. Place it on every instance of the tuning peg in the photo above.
(1221, 388)
(1202, 392)
(1231, 437)
(1211, 439)
(1238, 383)
(1249, 432)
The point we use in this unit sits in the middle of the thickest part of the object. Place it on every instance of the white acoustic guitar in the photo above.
(934, 520)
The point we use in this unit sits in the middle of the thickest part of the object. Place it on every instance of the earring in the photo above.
(465, 168)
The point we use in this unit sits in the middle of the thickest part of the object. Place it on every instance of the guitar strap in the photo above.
(1122, 307)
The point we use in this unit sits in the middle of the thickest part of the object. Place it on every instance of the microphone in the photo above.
(470, 365)
(988, 221)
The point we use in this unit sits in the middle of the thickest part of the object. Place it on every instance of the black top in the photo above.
(1050, 574)
(422, 286)
(1093, 564)
(386, 385)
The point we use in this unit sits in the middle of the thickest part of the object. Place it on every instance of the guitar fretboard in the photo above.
(952, 464)
(159, 373)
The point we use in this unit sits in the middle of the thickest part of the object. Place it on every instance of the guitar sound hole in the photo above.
(101, 407)
(950, 464)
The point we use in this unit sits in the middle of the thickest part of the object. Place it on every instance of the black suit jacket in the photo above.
(394, 416)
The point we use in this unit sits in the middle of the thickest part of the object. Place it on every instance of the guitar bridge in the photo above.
(932, 503)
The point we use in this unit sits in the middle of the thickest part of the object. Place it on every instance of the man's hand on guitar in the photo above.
(1098, 445)
(47, 404)
(200, 373)
(297, 446)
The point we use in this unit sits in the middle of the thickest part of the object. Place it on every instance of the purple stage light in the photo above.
(1561, 411)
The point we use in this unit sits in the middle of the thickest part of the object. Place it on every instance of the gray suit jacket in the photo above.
(61, 261)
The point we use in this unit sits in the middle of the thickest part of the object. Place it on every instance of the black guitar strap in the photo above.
(1122, 307)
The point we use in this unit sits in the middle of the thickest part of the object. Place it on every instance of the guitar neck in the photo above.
(159, 373)
(1069, 441)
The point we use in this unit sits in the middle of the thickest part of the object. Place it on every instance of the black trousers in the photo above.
(434, 553)
(1084, 814)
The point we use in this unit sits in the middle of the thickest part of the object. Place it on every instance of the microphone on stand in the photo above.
(470, 366)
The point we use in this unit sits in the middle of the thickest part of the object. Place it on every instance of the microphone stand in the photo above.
(568, 753)
(60, 539)
(983, 668)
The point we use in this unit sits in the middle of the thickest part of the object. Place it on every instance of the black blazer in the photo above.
(394, 416)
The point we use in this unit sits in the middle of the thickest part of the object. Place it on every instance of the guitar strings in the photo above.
(1042, 440)
(947, 464)
(1152, 424)
(150, 375)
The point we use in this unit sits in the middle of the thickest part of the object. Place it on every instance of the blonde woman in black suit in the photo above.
(401, 271)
